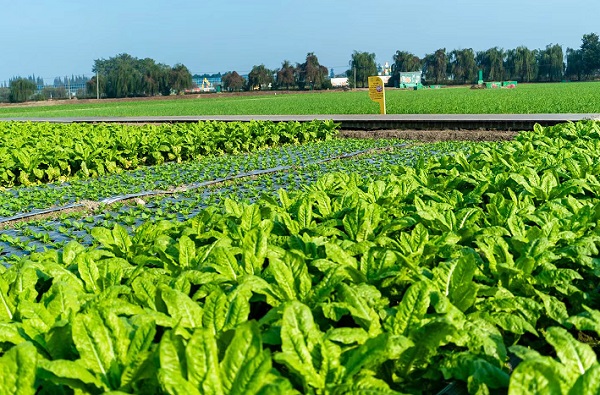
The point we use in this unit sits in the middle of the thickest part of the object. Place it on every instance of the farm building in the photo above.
(339, 82)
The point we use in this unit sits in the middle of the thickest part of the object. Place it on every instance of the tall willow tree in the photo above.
(404, 61)
(128, 76)
(311, 75)
(590, 54)
(492, 63)
(260, 77)
(435, 66)
(551, 63)
(21, 89)
(463, 67)
(363, 63)
(286, 75)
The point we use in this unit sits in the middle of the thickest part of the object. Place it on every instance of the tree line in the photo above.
(128, 76)
(308, 75)
(117, 77)
(461, 66)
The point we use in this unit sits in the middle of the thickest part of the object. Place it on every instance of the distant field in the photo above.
(525, 99)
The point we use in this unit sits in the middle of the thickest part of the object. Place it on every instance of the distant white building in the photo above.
(385, 78)
(339, 82)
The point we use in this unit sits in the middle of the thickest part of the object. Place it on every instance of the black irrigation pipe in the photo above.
(185, 188)
(21, 216)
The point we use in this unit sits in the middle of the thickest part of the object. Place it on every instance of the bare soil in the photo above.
(88, 206)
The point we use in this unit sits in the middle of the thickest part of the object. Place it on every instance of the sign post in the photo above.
(377, 92)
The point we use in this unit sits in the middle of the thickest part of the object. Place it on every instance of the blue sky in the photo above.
(63, 37)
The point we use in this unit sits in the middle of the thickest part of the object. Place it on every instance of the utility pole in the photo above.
(354, 77)
(97, 86)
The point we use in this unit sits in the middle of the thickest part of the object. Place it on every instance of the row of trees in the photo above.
(33, 88)
(520, 64)
(461, 66)
(128, 76)
(116, 77)
(308, 75)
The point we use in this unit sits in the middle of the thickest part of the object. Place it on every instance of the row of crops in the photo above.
(33, 153)
(251, 176)
(573, 97)
(405, 269)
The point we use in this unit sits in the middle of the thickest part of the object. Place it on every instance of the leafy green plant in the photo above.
(478, 269)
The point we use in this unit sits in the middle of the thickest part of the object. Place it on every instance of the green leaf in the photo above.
(144, 289)
(182, 308)
(224, 262)
(554, 308)
(363, 314)
(88, 272)
(589, 320)
(70, 372)
(7, 307)
(345, 335)
(238, 308)
(245, 364)
(254, 250)
(121, 239)
(457, 281)
(476, 371)
(36, 320)
(588, 383)
(576, 356)
(322, 202)
(364, 385)
(171, 354)
(203, 362)
(18, 370)
(337, 254)
(175, 385)
(118, 240)
(361, 221)
(536, 376)
(59, 342)
(510, 322)
(284, 198)
(251, 217)
(103, 236)
(412, 308)
(215, 306)
(94, 344)
(291, 275)
(61, 300)
(187, 252)
(427, 339)
(300, 342)
(370, 354)
(305, 213)
(11, 333)
(138, 351)
(23, 287)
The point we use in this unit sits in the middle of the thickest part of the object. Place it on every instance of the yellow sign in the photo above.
(377, 92)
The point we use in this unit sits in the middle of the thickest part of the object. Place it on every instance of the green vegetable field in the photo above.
(570, 97)
(301, 265)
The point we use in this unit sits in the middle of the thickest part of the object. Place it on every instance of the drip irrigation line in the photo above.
(190, 187)
(20, 216)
